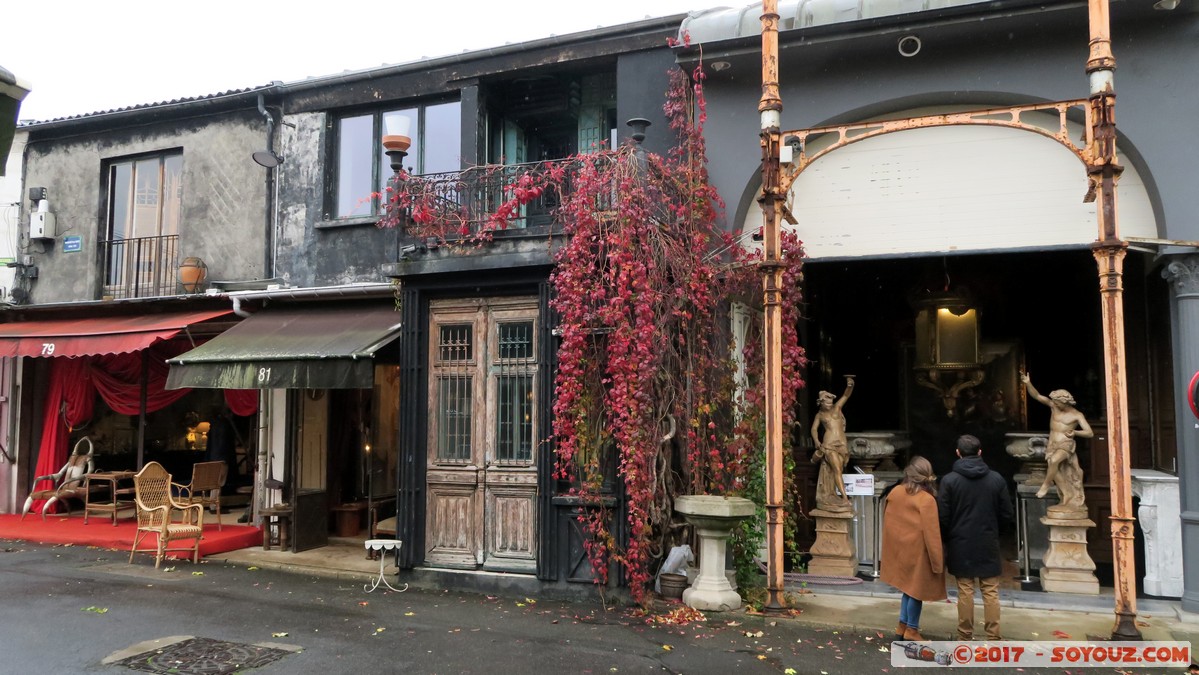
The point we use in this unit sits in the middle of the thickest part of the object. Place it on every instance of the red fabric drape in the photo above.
(242, 402)
(117, 378)
(69, 401)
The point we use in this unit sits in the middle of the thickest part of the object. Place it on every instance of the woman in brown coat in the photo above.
(912, 559)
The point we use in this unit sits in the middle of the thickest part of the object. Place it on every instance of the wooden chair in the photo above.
(155, 515)
(208, 478)
(69, 481)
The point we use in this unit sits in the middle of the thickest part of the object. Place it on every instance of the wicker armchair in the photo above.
(155, 510)
(208, 478)
(68, 481)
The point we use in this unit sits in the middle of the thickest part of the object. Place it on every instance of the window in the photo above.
(484, 369)
(145, 199)
(363, 168)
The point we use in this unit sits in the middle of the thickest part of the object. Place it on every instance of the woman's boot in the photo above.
(910, 633)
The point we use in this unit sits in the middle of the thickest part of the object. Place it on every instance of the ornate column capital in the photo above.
(1183, 274)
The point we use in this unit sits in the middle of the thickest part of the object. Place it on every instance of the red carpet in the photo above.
(100, 532)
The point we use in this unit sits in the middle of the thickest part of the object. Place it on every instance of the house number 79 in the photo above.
(47, 349)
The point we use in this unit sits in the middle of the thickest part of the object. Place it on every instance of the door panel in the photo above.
(311, 517)
(482, 477)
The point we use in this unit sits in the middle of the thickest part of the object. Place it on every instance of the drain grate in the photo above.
(203, 656)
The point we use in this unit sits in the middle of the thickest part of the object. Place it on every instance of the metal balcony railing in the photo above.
(142, 267)
(471, 198)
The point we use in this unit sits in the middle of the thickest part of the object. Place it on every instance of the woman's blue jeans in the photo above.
(909, 611)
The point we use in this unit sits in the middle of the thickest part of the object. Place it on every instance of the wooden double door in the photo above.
(482, 448)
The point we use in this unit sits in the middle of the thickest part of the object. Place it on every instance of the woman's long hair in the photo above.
(918, 475)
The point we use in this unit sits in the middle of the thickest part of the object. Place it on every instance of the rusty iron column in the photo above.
(1109, 251)
(770, 108)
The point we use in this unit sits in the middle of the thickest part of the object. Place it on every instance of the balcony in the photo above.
(143, 267)
(459, 204)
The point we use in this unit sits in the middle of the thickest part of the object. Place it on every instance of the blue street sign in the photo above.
(72, 244)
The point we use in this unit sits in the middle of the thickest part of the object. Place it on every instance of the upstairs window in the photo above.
(145, 199)
(362, 167)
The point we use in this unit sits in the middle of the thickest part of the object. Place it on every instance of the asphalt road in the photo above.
(67, 609)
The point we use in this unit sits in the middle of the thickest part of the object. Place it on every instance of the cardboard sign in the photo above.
(858, 484)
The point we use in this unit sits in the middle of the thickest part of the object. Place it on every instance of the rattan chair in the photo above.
(155, 515)
(68, 481)
(208, 478)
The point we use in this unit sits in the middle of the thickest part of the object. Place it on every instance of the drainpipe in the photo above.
(268, 266)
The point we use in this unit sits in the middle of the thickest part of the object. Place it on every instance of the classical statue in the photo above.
(1065, 424)
(832, 451)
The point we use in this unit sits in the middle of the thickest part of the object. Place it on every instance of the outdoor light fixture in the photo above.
(1165, 4)
(947, 351)
(267, 158)
(721, 65)
(639, 125)
(396, 140)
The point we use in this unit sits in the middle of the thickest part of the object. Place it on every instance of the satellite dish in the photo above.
(267, 158)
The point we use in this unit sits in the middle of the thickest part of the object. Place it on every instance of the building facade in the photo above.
(994, 215)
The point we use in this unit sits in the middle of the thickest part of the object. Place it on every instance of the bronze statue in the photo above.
(1065, 424)
(832, 452)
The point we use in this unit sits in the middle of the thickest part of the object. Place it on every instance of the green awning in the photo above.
(295, 348)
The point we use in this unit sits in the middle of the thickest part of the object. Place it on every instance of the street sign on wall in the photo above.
(72, 244)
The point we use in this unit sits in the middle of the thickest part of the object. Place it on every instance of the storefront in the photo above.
(103, 376)
(330, 389)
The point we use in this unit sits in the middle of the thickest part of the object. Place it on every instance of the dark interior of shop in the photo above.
(1038, 311)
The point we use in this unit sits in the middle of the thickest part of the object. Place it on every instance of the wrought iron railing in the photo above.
(471, 198)
(141, 267)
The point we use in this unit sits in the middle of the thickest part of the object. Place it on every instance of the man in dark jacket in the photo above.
(973, 504)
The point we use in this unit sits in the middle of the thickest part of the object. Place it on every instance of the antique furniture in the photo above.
(117, 496)
(382, 546)
(281, 526)
(156, 509)
(68, 481)
(208, 479)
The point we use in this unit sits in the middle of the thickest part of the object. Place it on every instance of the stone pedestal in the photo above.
(832, 553)
(713, 518)
(1161, 524)
(1068, 567)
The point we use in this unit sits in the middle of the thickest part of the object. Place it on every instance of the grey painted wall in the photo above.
(1007, 61)
(224, 198)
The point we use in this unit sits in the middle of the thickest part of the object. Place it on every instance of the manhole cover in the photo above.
(203, 655)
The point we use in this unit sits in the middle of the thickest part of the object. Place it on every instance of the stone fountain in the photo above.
(869, 448)
(713, 518)
(1029, 448)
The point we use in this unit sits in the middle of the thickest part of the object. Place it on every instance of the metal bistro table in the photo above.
(112, 481)
(383, 546)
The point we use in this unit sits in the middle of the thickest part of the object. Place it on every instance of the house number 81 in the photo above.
(264, 374)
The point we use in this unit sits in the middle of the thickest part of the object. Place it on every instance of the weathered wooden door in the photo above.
(482, 476)
(310, 474)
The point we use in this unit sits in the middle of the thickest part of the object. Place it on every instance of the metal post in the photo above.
(1022, 535)
(1109, 252)
(770, 108)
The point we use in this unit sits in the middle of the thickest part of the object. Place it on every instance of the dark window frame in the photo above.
(332, 210)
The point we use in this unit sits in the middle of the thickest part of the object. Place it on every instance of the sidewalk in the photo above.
(869, 607)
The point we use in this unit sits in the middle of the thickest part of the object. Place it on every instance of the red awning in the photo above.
(95, 335)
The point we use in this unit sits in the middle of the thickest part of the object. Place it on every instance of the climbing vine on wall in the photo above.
(650, 400)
